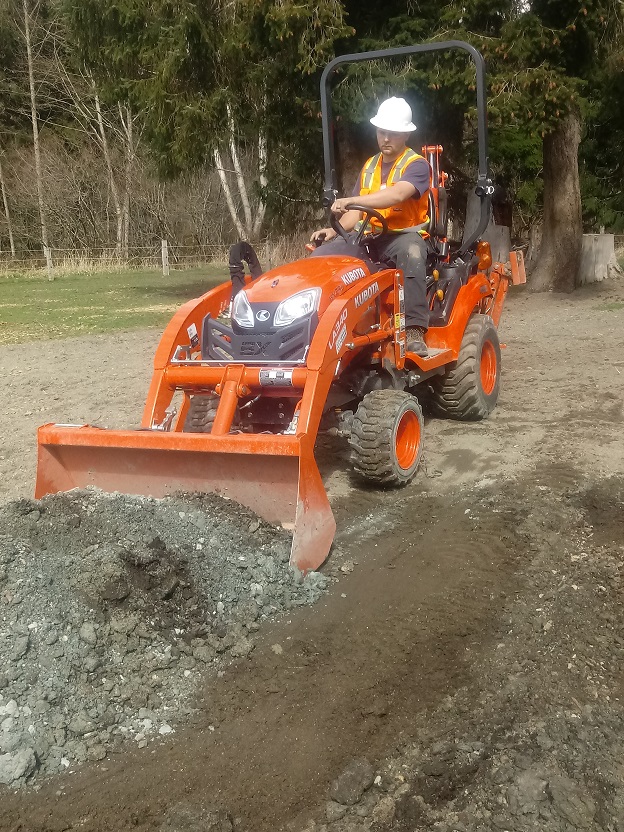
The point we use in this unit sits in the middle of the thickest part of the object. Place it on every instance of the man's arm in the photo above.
(387, 198)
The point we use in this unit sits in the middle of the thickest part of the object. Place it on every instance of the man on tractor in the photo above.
(395, 182)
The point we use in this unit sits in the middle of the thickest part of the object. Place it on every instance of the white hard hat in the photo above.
(395, 115)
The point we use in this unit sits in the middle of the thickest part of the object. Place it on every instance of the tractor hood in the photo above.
(332, 275)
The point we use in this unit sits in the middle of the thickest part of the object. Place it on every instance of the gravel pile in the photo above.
(537, 741)
(111, 608)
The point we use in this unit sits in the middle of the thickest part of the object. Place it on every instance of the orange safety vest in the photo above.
(408, 214)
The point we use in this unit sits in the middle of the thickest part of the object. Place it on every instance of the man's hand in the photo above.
(340, 205)
(323, 235)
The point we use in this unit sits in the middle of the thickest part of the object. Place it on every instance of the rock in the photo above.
(434, 768)
(10, 742)
(242, 648)
(79, 724)
(527, 790)
(10, 709)
(91, 663)
(20, 647)
(117, 589)
(334, 811)
(123, 624)
(204, 653)
(7, 724)
(16, 765)
(96, 752)
(87, 633)
(349, 786)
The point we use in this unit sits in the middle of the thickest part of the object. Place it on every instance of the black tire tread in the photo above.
(201, 413)
(371, 440)
(458, 394)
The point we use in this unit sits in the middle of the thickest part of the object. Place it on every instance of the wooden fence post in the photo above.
(47, 252)
(165, 258)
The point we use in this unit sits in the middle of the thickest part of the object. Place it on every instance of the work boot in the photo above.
(416, 341)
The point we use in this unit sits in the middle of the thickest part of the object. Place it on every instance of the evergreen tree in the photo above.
(543, 58)
(602, 161)
(547, 59)
(215, 76)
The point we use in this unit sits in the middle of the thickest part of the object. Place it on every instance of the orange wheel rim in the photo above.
(407, 439)
(489, 368)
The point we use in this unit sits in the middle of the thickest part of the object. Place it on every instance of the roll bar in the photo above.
(484, 187)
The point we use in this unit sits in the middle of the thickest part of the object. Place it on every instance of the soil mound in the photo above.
(112, 606)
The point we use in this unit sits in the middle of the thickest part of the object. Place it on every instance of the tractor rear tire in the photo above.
(201, 413)
(469, 390)
(387, 437)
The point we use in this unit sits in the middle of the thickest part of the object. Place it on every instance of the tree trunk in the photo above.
(7, 213)
(128, 128)
(240, 179)
(111, 174)
(262, 163)
(228, 193)
(35, 128)
(559, 259)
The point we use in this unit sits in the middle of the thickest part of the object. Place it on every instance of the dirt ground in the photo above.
(470, 651)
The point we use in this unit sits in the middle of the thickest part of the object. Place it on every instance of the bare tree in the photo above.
(127, 120)
(35, 129)
(7, 213)
(107, 127)
(246, 218)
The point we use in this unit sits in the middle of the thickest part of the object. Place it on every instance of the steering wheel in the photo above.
(368, 214)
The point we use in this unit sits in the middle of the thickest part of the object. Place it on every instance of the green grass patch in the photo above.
(34, 308)
(613, 306)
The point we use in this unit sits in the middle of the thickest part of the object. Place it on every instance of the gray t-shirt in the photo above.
(417, 174)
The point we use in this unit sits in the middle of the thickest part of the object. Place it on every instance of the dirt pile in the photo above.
(536, 741)
(111, 608)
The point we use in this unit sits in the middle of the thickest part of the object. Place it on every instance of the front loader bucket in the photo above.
(275, 476)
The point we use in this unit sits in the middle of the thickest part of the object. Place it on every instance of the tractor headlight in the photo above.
(298, 306)
(241, 310)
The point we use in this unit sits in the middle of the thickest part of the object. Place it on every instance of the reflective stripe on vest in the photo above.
(406, 214)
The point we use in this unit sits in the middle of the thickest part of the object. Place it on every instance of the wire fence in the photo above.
(161, 255)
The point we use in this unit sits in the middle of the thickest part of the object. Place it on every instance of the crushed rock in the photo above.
(111, 609)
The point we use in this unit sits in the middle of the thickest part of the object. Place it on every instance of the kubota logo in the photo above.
(367, 294)
(353, 275)
(263, 315)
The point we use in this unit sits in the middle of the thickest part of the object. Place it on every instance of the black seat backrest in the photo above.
(438, 217)
(441, 226)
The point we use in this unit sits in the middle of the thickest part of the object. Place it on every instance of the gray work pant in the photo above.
(408, 251)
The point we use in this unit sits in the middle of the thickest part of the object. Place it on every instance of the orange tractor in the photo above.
(235, 408)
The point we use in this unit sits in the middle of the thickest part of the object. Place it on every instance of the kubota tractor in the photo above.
(235, 408)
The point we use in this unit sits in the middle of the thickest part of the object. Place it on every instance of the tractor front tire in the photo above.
(468, 391)
(201, 413)
(387, 437)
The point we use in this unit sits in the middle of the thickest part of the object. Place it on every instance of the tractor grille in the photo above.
(288, 344)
